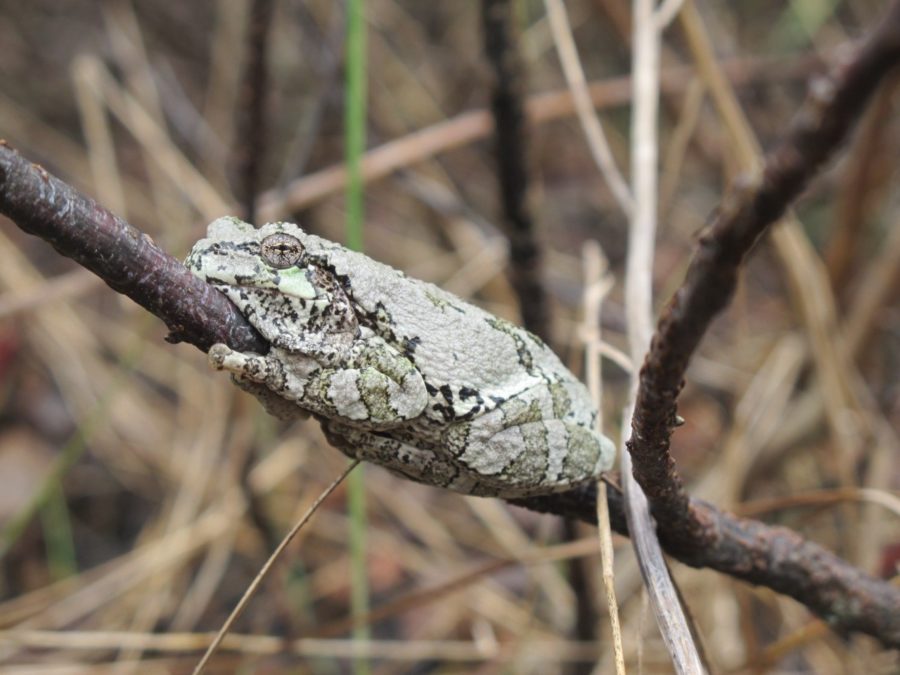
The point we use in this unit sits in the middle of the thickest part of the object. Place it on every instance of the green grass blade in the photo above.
(355, 142)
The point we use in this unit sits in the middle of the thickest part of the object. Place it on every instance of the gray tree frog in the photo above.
(398, 371)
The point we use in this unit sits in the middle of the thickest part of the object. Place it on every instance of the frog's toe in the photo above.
(247, 367)
(218, 355)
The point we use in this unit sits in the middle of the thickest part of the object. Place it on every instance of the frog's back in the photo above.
(453, 343)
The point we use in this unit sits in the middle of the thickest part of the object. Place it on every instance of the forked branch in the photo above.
(834, 103)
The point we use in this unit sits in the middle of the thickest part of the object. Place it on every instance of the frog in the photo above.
(397, 371)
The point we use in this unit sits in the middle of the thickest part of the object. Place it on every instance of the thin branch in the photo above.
(867, 172)
(775, 557)
(250, 591)
(834, 103)
(125, 258)
(593, 130)
(667, 608)
(251, 135)
(695, 531)
(511, 143)
(597, 283)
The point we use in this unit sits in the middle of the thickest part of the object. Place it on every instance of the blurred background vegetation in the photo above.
(140, 492)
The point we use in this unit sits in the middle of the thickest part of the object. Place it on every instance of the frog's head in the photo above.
(235, 253)
(269, 275)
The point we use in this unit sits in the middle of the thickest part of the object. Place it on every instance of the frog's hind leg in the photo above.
(522, 448)
(417, 464)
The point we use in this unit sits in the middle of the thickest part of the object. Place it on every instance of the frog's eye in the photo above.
(281, 250)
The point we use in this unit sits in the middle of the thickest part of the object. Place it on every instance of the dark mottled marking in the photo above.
(410, 345)
(447, 393)
(562, 402)
(515, 334)
(533, 460)
(446, 411)
(465, 393)
(470, 414)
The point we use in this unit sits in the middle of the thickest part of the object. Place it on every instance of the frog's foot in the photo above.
(252, 373)
(246, 366)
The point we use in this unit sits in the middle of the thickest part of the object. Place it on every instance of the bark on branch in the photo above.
(126, 259)
(695, 532)
(833, 105)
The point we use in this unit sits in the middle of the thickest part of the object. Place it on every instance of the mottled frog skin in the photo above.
(398, 371)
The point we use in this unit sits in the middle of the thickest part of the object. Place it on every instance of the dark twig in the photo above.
(693, 531)
(125, 258)
(776, 557)
(833, 105)
(869, 166)
(249, 156)
(501, 46)
(130, 263)
(251, 127)
(511, 153)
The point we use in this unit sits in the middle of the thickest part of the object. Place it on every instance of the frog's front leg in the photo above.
(375, 386)
(525, 447)
(258, 375)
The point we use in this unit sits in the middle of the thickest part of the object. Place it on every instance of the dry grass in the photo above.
(174, 486)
